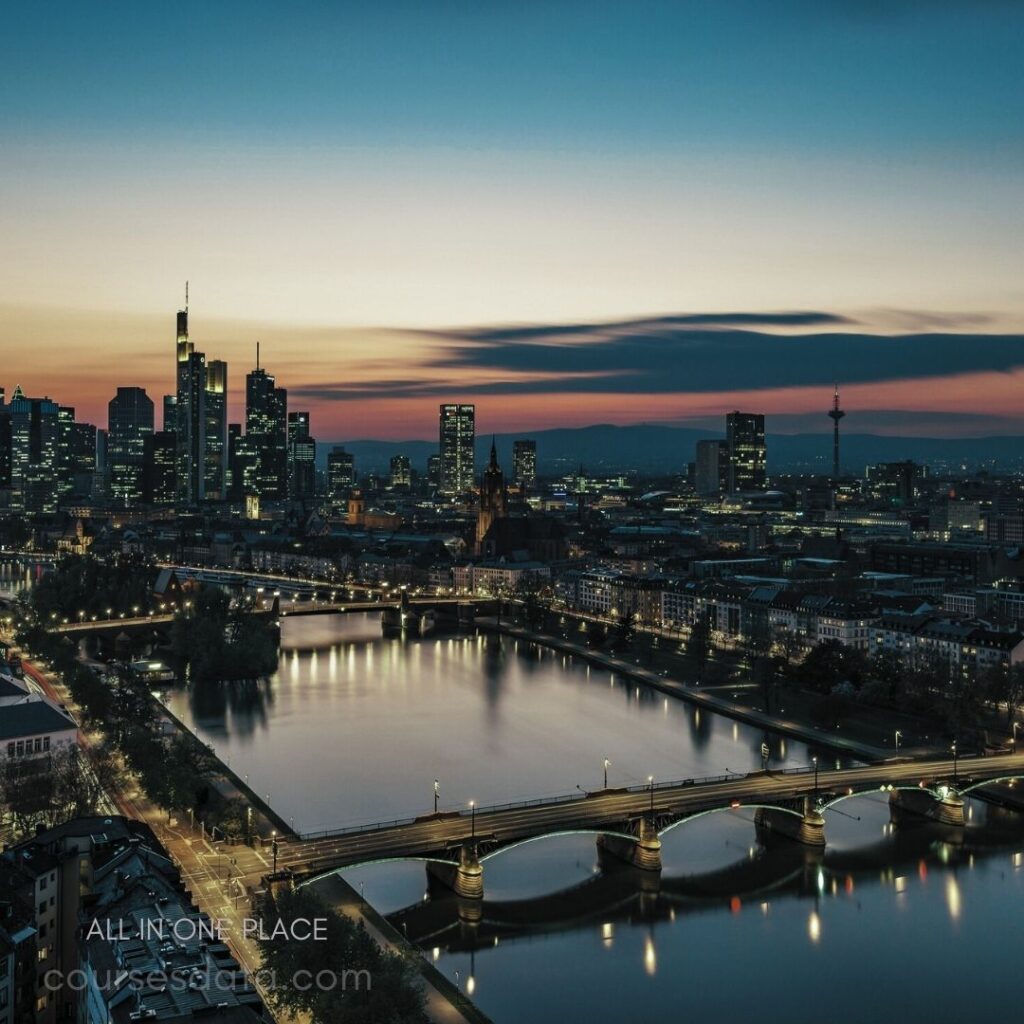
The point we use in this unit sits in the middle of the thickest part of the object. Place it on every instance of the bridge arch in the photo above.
(327, 872)
(729, 807)
(554, 835)
(936, 793)
(990, 782)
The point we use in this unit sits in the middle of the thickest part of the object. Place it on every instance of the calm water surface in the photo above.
(355, 728)
(911, 923)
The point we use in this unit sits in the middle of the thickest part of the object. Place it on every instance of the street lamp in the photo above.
(899, 736)
(650, 782)
(1016, 726)
(606, 764)
(954, 763)
(472, 819)
(437, 794)
(273, 846)
(815, 760)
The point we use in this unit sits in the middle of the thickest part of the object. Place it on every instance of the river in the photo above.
(888, 923)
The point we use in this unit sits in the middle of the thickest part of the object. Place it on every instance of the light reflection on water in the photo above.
(354, 728)
(877, 923)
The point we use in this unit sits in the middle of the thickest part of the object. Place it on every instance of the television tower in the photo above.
(835, 414)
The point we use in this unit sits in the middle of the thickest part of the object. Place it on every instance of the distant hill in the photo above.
(651, 448)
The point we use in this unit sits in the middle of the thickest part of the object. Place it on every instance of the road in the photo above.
(613, 808)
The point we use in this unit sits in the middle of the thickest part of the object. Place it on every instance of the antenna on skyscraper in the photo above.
(186, 296)
(257, 355)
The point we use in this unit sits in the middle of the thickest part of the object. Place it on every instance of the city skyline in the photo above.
(422, 189)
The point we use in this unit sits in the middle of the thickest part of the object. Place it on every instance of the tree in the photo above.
(44, 791)
(698, 644)
(373, 986)
(830, 663)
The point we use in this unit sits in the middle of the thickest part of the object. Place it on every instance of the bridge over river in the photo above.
(629, 823)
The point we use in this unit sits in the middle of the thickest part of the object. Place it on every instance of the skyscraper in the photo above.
(744, 433)
(711, 470)
(266, 432)
(301, 457)
(35, 431)
(457, 441)
(190, 415)
(341, 474)
(65, 437)
(401, 471)
(524, 463)
(215, 432)
(160, 452)
(5, 444)
(129, 423)
(434, 470)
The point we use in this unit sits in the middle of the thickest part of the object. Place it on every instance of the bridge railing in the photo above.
(566, 798)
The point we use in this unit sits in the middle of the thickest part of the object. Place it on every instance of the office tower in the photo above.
(835, 414)
(5, 445)
(239, 462)
(895, 482)
(493, 499)
(82, 458)
(266, 432)
(100, 477)
(170, 420)
(129, 423)
(65, 433)
(711, 470)
(434, 471)
(524, 463)
(215, 433)
(744, 433)
(35, 431)
(160, 453)
(341, 474)
(301, 457)
(401, 471)
(190, 415)
(457, 437)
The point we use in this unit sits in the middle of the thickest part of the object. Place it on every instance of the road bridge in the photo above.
(629, 823)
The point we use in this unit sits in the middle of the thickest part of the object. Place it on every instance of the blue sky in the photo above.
(334, 171)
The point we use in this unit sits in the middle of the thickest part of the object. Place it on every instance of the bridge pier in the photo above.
(466, 878)
(644, 852)
(946, 808)
(808, 828)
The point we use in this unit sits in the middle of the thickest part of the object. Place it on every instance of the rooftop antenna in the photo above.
(186, 296)
(257, 355)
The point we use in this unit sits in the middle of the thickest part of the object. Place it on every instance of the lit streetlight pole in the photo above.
(650, 782)
(607, 763)
(815, 760)
(954, 763)
(273, 846)
(437, 794)
(472, 819)
(899, 736)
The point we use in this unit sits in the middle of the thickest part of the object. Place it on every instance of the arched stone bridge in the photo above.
(629, 823)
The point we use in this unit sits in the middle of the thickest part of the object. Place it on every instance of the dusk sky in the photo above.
(567, 212)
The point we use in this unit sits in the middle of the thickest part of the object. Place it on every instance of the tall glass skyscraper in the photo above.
(215, 433)
(744, 434)
(190, 416)
(266, 434)
(524, 463)
(457, 445)
(129, 423)
(35, 437)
